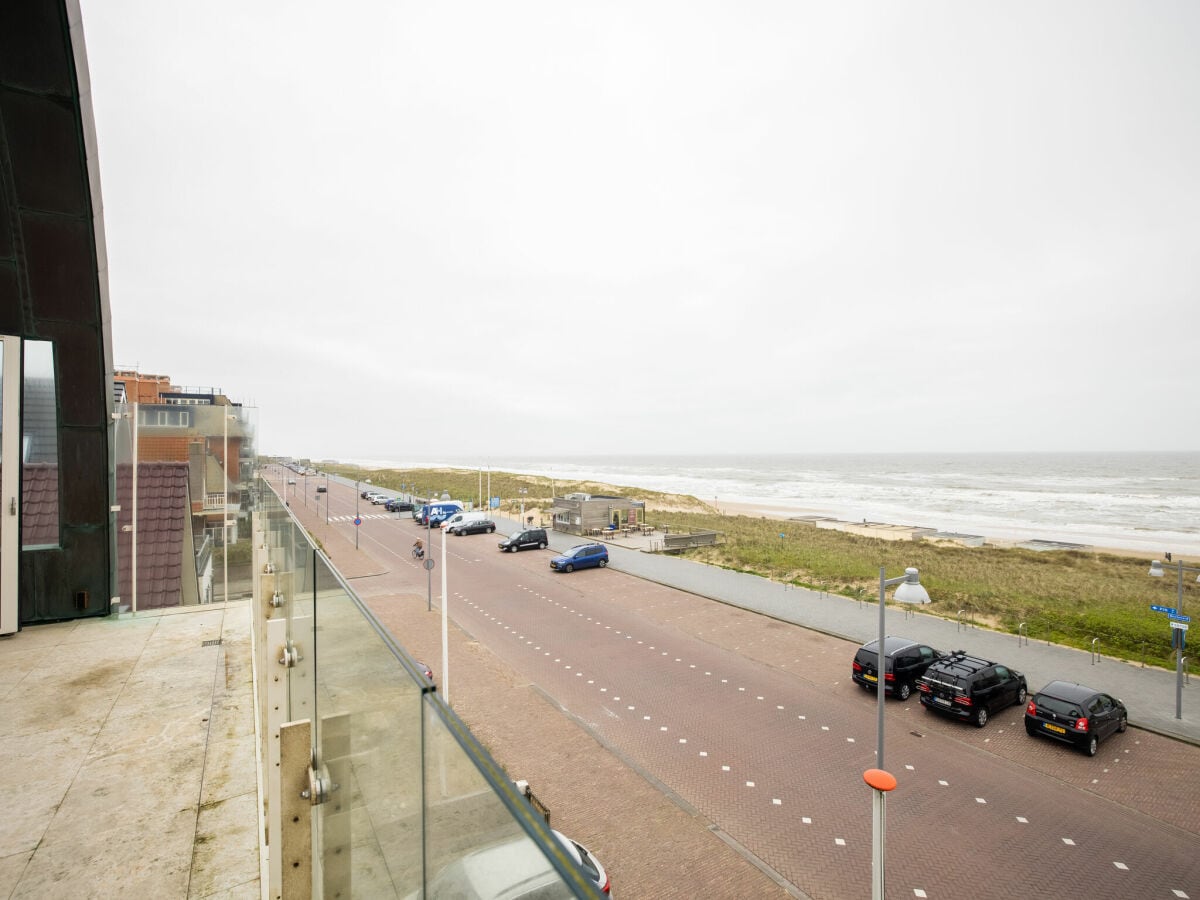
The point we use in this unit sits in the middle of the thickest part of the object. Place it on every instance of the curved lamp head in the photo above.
(1156, 569)
(911, 590)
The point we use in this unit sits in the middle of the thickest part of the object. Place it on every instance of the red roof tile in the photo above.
(163, 546)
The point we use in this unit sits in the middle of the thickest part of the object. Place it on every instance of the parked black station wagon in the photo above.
(970, 688)
(1075, 714)
(905, 660)
(525, 540)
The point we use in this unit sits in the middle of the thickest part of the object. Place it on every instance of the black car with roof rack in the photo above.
(970, 687)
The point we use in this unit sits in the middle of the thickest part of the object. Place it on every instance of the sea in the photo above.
(1145, 502)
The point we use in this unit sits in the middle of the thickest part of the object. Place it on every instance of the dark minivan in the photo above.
(970, 687)
(524, 540)
(905, 660)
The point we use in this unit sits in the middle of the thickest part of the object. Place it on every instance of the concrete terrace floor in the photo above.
(129, 757)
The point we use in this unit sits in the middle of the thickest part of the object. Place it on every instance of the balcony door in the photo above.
(10, 478)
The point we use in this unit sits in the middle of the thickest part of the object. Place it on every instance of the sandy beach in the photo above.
(783, 513)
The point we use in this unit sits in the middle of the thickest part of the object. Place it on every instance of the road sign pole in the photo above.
(1179, 679)
(1179, 627)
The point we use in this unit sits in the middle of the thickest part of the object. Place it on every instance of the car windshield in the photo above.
(586, 860)
(515, 535)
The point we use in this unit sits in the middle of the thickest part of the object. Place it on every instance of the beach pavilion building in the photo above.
(586, 514)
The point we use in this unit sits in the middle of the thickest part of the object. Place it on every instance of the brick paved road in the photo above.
(756, 725)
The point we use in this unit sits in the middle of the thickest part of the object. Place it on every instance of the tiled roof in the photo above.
(163, 533)
(39, 504)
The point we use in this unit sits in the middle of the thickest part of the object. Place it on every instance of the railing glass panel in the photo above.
(414, 807)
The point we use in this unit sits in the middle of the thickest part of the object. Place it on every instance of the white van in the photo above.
(461, 518)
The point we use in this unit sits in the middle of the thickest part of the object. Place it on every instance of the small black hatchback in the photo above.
(970, 688)
(905, 660)
(1075, 714)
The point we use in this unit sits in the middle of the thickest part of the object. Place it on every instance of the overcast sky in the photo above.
(560, 227)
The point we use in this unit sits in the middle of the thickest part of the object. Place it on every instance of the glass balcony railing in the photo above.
(405, 802)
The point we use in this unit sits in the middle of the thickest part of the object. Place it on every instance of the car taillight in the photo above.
(963, 700)
(607, 884)
(890, 676)
(1031, 709)
(857, 666)
(922, 686)
(1081, 724)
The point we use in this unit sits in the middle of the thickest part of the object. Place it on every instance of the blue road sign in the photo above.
(1175, 617)
(1169, 610)
(357, 520)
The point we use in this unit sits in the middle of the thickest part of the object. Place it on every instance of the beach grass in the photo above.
(1067, 597)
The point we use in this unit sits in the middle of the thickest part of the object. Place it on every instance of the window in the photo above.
(167, 418)
(39, 447)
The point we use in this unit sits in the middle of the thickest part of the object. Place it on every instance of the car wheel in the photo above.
(1092, 744)
(903, 690)
(490, 530)
(603, 563)
(1022, 696)
(514, 548)
(568, 568)
(981, 717)
(1123, 724)
(542, 545)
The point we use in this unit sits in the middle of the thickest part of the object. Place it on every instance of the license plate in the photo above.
(870, 678)
(1057, 729)
(941, 700)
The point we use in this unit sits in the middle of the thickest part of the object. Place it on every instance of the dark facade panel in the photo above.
(77, 362)
(85, 500)
(60, 261)
(11, 319)
(52, 579)
(44, 145)
(53, 287)
(7, 251)
(35, 49)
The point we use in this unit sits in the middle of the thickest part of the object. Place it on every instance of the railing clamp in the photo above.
(319, 787)
(290, 655)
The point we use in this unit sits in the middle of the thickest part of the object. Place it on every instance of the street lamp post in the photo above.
(225, 506)
(429, 553)
(522, 492)
(908, 590)
(357, 518)
(326, 498)
(1156, 569)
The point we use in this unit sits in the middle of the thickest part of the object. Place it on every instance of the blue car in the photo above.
(583, 556)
